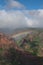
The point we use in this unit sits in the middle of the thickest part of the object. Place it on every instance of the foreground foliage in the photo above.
(15, 57)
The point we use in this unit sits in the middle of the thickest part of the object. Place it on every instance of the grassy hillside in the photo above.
(25, 51)
(32, 41)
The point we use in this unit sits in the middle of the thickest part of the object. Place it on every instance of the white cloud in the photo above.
(35, 17)
(18, 18)
(36, 13)
(31, 22)
(12, 19)
(14, 4)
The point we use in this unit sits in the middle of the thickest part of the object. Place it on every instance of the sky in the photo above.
(21, 13)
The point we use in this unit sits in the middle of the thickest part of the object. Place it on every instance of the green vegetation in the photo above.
(9, 58)
(32, 43)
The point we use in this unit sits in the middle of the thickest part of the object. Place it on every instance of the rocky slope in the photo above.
(6, 41)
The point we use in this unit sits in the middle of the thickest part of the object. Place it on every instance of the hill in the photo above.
(11, 54)
(35, 37)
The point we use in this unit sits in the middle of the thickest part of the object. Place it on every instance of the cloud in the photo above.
(21, 18)
(11, 15)
(35, 17)
(14, 4)
(36, 13)
(14, 19)
(32, 22)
